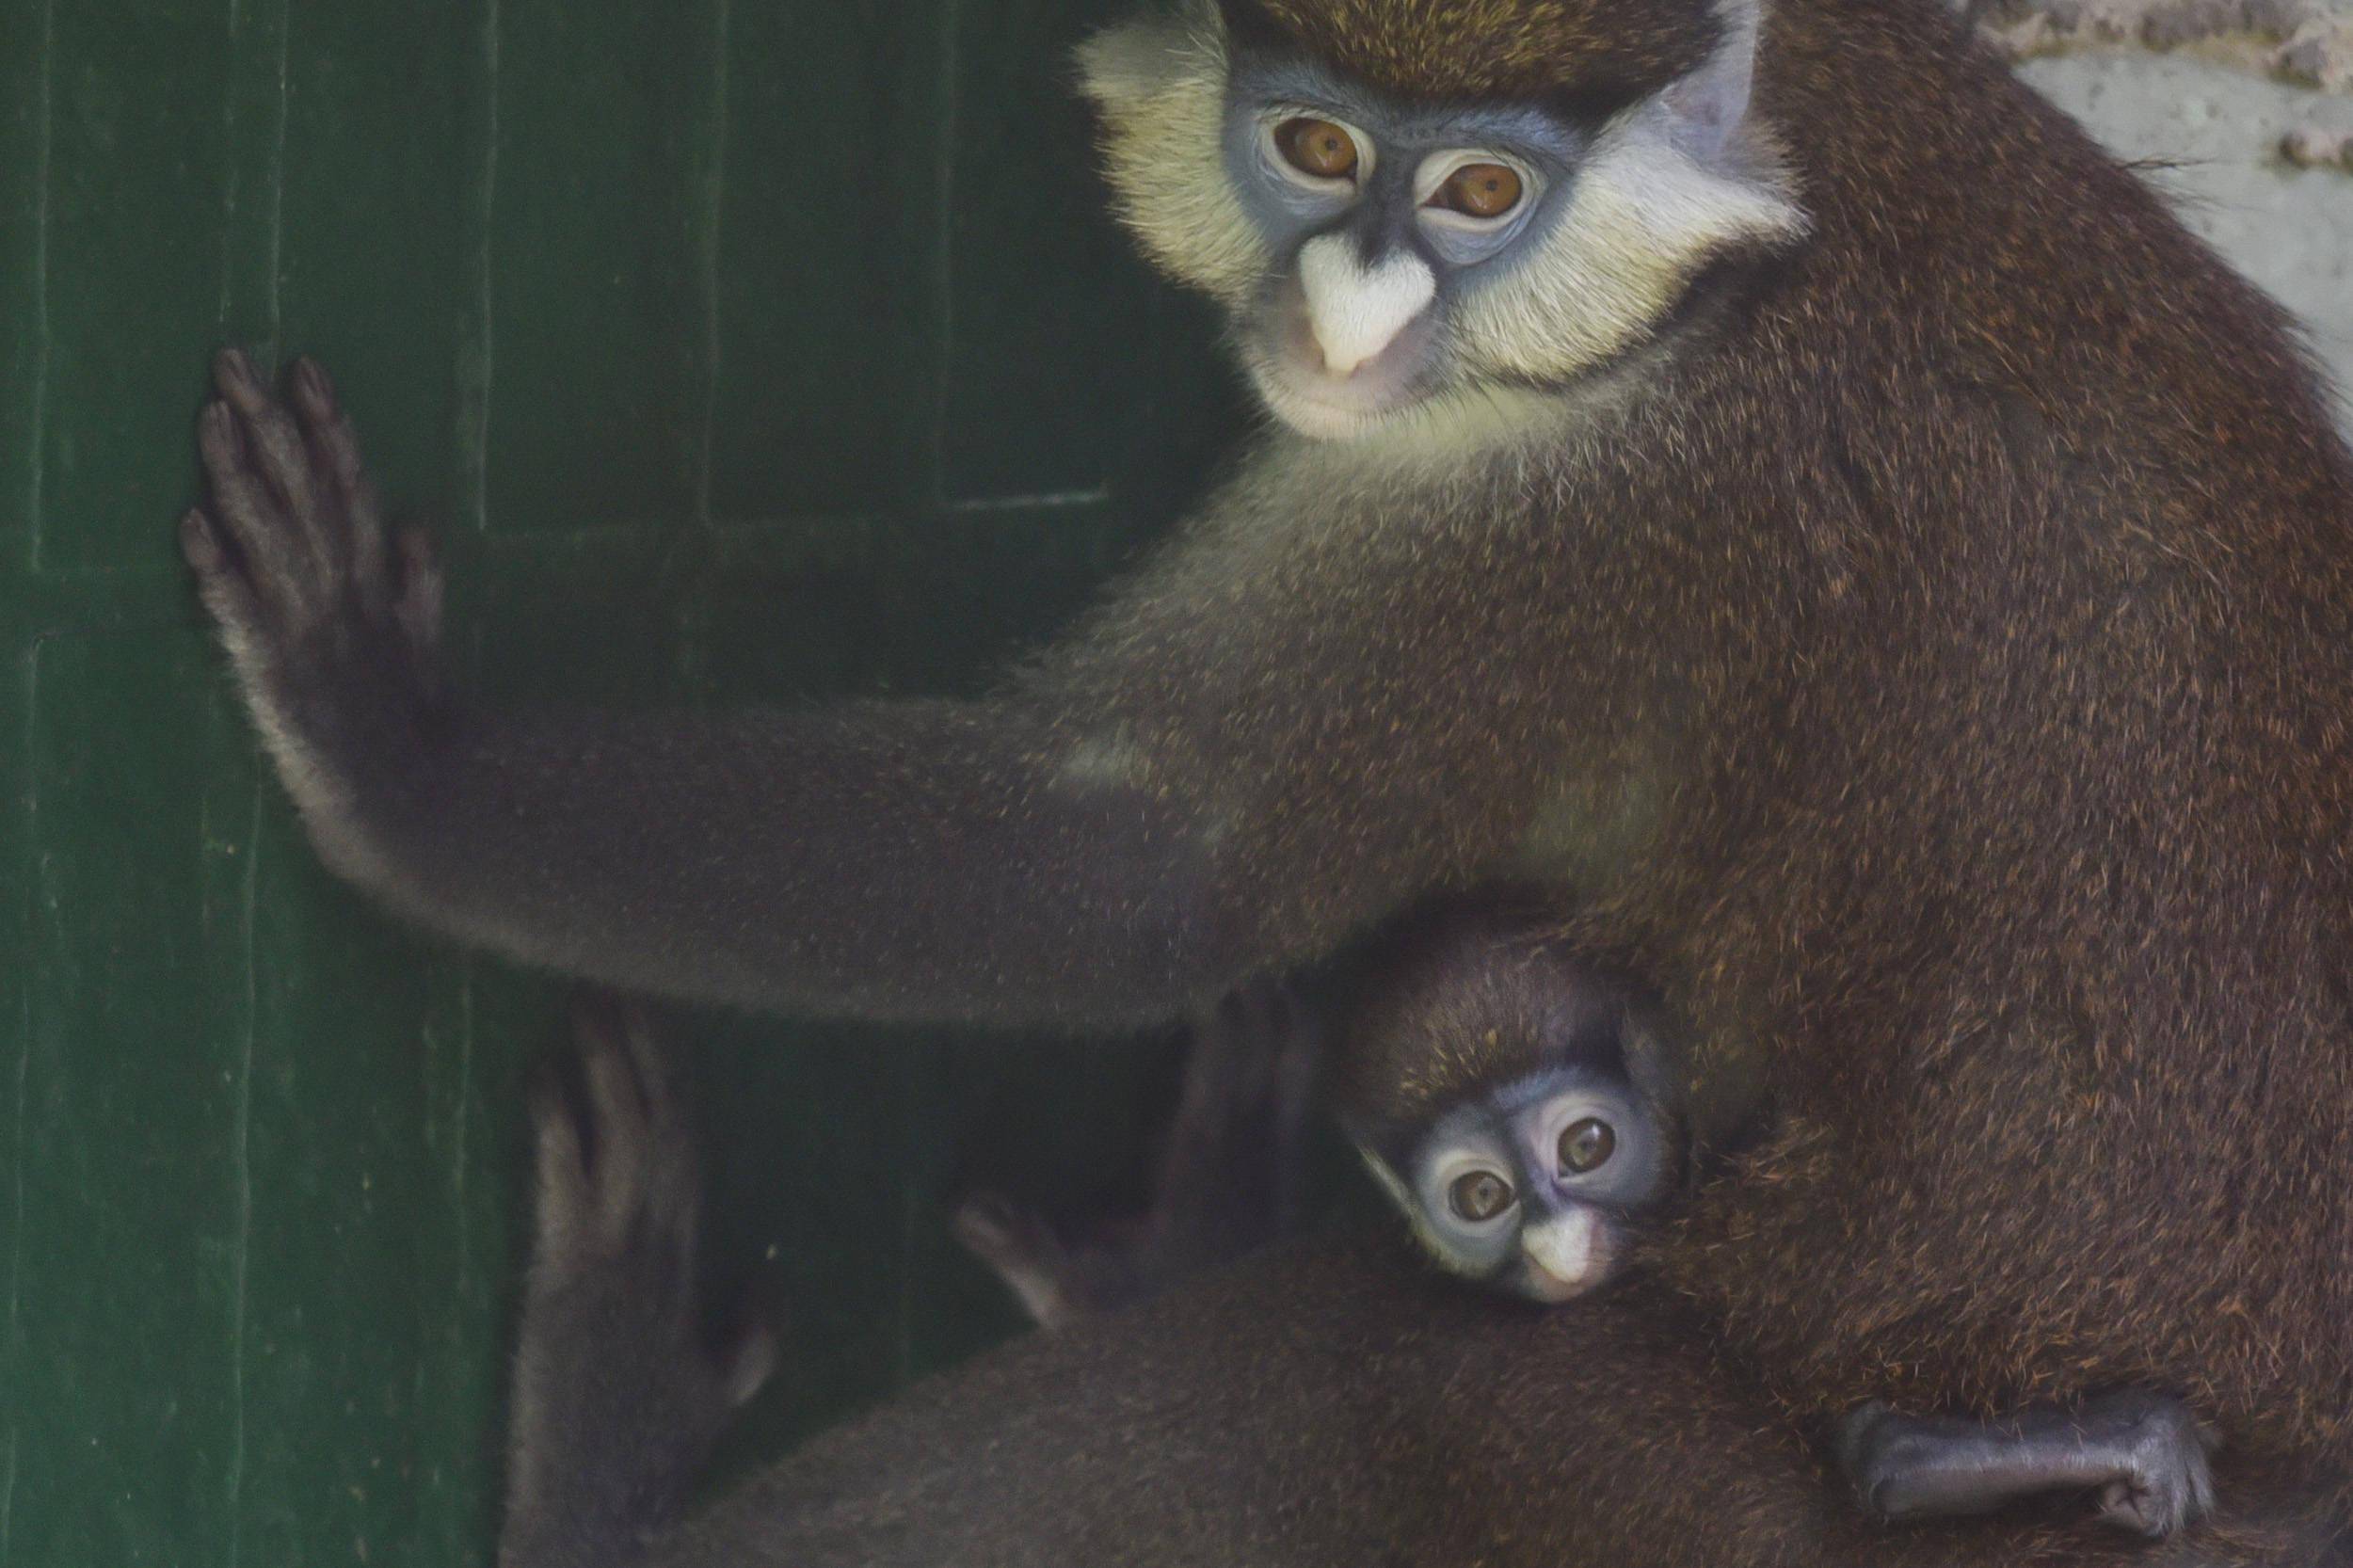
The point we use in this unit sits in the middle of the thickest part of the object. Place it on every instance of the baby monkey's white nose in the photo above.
(1354, 311)
(1569, 1252)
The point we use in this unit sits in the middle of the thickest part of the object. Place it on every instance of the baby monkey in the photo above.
(1520, 1109)
(1530, 1115)
(1516, 1105)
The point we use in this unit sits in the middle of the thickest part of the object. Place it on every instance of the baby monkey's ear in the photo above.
(1659, 1071)
(1385, 1175)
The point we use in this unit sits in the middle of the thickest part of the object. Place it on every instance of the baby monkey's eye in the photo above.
(1480, 190)
(1317, 146)
(1478, 1196)
(1586, 1146)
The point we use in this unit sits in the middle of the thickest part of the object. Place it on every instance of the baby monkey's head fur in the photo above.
(1519, 1107)
(1423, 209)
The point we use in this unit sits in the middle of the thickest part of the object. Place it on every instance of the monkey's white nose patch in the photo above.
(1356, 312)
(1567, 1248)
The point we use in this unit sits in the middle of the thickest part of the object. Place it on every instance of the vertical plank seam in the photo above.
(457, 1129)
(943, 251)
(36, 497)
(710, 216)
(9, 1329)
(274, 194)
(474, 439)
(912, 1211)
(7, 1496)
(231, 186)
(277, 184)
(36, 431)
(242, 1131)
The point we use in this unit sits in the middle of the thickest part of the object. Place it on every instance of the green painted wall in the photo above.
(736, 347)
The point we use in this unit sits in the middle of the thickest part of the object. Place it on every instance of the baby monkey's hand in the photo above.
(1228, 1180)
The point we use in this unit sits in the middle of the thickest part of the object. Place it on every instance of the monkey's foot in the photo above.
(617, 1394)
(2141, 1455)
(1229, 1180)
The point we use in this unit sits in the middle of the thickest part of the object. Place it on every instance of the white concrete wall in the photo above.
(2256, 118)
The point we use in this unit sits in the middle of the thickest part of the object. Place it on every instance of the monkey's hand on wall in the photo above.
(1228, 1180)
(332, 624)
(617, 1398)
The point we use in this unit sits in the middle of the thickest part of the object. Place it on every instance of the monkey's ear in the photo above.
(1130, 61)
(1385, 1175)
(1706, 107)
(1159, 85)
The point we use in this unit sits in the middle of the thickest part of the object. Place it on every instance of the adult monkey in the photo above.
(1788, 485)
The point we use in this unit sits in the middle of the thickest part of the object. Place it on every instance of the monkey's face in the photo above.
(1532, 1186)
(1386, 255)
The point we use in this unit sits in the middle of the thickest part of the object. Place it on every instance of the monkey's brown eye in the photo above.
(1478, 1196)
(1480, 190)
(1317, 146)
(1587, 1145)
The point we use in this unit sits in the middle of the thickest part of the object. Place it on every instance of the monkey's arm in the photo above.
(1030, 857)
(911, 859)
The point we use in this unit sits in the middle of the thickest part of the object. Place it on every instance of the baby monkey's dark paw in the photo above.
(2141, 1456)
(619, 1391)
(332, 625)
(1229, 1180)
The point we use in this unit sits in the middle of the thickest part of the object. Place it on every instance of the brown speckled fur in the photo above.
(1328, 1409)
(1469, 50)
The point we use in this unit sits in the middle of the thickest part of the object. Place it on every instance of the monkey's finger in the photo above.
(278, 565)
(281, 458)
(562, 1167)
(619, 1119)
(335, 447)
(228, 597)
(417, 600)
(673, 1181)
(749, 1362)
(1023, 1253)
(648, 1060)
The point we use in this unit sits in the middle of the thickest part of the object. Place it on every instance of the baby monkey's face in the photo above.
(1533, 1184)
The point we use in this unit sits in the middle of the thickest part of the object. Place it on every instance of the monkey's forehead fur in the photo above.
(1449, 1003)
(1453, 50)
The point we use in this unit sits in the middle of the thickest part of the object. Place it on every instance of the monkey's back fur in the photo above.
(2024, 872)
(1941, 661)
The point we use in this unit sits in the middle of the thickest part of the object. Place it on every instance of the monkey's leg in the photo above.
(2143, 1453)
(1229, 1180)
(1323, 1405)
(616, 1397)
